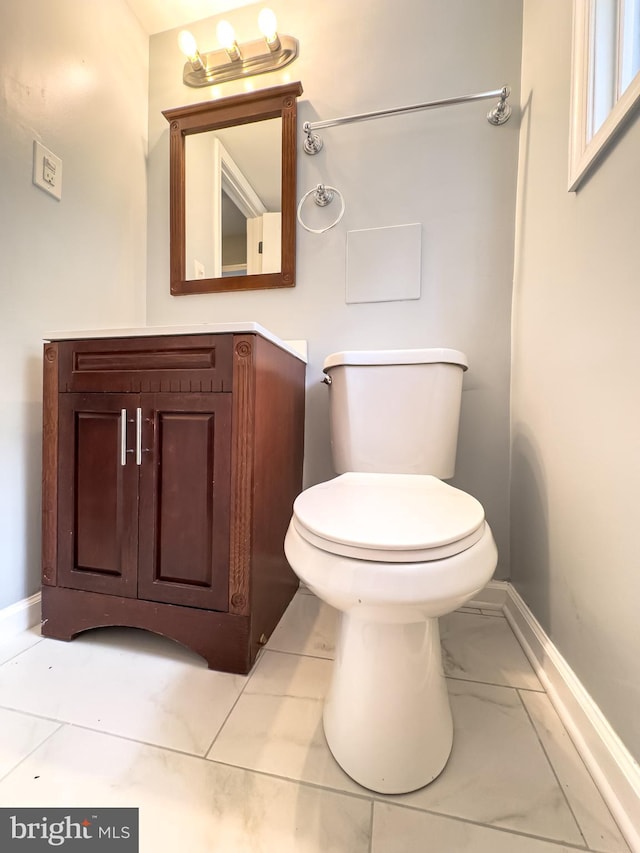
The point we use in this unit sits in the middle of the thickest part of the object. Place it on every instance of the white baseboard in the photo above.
(613, 768)
(19, 616)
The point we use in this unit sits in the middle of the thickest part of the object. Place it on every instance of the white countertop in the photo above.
(297, 348)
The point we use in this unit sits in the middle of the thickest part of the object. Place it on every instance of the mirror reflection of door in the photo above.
(233, 201)
(234, 238)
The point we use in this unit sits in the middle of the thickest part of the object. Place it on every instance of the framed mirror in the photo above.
(232, 167)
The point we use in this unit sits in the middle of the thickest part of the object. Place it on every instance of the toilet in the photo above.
(392, 547)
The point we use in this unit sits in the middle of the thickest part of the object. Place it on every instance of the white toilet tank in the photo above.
(395, 411)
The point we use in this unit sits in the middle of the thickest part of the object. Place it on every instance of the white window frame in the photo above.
(583, 153)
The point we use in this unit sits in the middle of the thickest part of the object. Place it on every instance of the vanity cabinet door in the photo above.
(185, 499)
(98, 494)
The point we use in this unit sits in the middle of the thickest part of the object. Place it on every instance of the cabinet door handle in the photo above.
(138, 436)
(123, 436)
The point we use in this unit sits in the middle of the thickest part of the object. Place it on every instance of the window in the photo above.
(605, 77)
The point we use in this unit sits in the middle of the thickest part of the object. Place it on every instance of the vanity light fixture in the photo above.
(235, 61)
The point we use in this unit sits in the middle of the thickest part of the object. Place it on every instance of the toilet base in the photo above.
(387, 718)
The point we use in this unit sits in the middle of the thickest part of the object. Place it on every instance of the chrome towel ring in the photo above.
(322, 195)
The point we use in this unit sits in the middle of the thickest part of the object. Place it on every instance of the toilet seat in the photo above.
(393, 518)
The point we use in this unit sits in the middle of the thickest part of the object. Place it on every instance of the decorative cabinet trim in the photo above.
(188, 364)
(50, 466)
(241, 474)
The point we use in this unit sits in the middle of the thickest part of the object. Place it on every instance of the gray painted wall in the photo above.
(448, 170)
(575, 397)
(73, 75)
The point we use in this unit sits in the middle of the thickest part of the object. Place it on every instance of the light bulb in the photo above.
(268, 24)
(187, 44)
(225, 34)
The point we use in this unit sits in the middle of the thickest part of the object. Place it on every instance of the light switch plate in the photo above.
(47, 170)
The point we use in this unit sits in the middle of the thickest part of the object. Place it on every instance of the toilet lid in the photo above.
(388, 517)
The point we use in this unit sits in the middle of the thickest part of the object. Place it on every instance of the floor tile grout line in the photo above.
(548, 757)
(308, 656)
(33, 714)
(74, 725)
(21, 652)
(374, 798)
(553, 769)
(452, 677)
(61, 721)
(366, 796)
(299, 654)
(584, 767)
(478, 612)
(297, 782)
(492, 684)
(128, 739)
(504, 829)
(250, 675)
(230, 711)
(448, 677)
(35, 748)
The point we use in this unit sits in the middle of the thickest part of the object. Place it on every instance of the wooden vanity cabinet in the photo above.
(170, 466)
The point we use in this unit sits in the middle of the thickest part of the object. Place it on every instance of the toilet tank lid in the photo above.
(434, 355)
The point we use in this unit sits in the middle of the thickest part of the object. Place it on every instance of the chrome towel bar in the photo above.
(498, 115)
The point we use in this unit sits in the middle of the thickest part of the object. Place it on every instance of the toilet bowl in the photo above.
(392, 547)
(392, 552)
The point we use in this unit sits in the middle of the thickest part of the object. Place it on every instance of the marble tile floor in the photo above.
(228, 763)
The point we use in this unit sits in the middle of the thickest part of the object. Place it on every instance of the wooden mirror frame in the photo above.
(275, 102)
